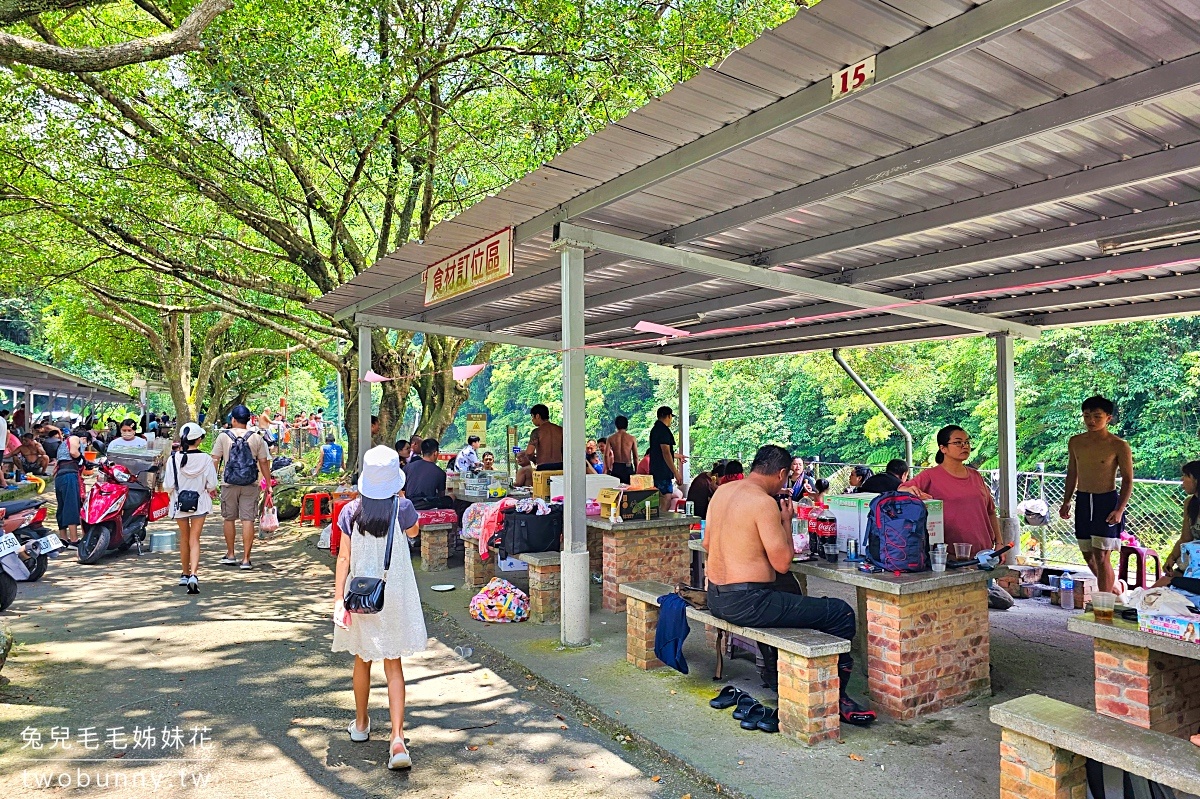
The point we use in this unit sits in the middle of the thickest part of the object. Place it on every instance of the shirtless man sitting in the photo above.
(30, 457)
(1094, 458)
(748, 539)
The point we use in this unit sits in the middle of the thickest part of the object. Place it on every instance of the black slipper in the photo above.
(770, 721)
(727, 698)
(753, 716)
(744, 703)
(853, 713)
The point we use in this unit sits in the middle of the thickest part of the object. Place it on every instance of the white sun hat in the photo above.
(380, 477)
(191, 432)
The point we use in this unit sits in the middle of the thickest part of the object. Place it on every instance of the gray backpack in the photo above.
(240, 467)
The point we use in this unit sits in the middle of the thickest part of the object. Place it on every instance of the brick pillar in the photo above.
(545, 594)
(435, 548)
(930, 651)
(1032, 769)
(647, 554)
(710, 636)
(1149, 689)
(595, 545)
(476, 571)
(808, 698)
(641, 620)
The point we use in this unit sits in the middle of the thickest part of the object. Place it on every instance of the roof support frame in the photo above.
(575, 236)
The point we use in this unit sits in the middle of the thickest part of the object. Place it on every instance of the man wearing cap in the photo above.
(239, 498)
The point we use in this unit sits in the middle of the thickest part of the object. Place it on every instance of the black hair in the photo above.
(897, 467)
(1098, 403)
(1192, 508)
(821, 486)
(488, 452)
(471, 440)
(373, 516)
(429, 446)
(401, 443)
(601, 440)
(665, 410)
(374, 419)
(540, 410)
(591, 456)
(735, 467)
(943, 440)
(329, 439)
(770, 460)
(129, 423)
(4, 412)
(863, 471)
(621, 423)
(718, 469)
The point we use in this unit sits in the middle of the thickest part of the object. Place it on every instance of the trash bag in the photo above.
(1035, 512)
(500, 602)
(323, 541)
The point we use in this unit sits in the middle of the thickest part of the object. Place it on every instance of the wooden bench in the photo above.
(808, 678)
(1045, 745)
(545, 582)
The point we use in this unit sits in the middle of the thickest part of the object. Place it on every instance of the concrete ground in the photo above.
(245, 672)
(950, 755)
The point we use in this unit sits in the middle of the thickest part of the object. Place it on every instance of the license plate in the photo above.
(8, 544)
(47, 544)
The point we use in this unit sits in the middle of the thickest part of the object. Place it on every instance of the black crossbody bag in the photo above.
(185, 501)
(365, 594)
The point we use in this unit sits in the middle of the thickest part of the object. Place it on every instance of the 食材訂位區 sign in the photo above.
(481, 264)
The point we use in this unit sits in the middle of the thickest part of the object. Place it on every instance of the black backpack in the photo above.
(240, 467)
(528, 532)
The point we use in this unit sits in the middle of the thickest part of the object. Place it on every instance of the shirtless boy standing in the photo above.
(749, 544)
(1095, 457)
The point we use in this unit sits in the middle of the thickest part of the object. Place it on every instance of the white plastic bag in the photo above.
(326, 534)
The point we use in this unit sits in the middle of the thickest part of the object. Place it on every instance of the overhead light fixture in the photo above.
(1150, 239)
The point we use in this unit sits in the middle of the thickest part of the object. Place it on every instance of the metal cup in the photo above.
(689, 508)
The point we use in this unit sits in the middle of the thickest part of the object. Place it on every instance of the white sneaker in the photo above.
(183, 579)
(401, 759)
(356, 734)
(227, 561)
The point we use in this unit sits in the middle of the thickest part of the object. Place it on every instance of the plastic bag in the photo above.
(500, 602)
(326, 534)
(269, 521)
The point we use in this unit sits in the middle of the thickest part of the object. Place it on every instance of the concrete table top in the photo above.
(1126, 632)
(903, 584)
(669, 520)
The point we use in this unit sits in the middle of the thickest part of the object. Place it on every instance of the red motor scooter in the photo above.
(116, 510)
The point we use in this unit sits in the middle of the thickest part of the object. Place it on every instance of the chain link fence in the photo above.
(1154, 517)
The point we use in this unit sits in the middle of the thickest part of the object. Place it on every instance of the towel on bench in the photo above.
(672, 631)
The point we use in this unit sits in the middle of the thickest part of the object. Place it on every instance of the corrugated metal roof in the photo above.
(994, 164)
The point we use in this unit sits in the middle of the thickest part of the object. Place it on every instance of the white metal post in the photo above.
(364, 391)
(1006, 435)
(685, 425)
(575, 629)
(28, 402)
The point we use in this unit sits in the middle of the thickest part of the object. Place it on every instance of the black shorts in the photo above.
(1091, 521)
(622, 471)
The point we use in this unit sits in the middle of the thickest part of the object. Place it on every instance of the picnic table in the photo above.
(1141, 678)
(638, 550)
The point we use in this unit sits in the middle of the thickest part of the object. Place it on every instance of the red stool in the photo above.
(335, 535)
(316, 508)
(1141, 555)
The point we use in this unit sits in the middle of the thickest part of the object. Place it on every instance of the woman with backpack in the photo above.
(967, 503)
(377, 621)
(191, 479)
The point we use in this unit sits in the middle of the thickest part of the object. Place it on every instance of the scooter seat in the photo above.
(20, 505)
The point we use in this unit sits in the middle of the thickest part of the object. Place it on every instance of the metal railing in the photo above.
(1154, 517)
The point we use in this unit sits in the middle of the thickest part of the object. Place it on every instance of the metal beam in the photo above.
(521, 341)
(573, 235)
(364, 390)
(403, 287)
(1095, 103)
(849, 342)
(1139, 311)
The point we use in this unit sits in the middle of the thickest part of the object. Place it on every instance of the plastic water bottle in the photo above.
(1066, 592)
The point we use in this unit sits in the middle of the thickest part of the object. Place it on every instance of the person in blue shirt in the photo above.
(332, 456)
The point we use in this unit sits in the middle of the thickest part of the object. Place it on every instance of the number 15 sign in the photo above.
(854, 77)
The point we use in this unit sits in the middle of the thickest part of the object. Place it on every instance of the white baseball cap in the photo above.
(380, 477)
(191, 432)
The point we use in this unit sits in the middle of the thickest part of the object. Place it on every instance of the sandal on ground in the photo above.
(357, 735)
(753, 716)
(853, 713)
(401, 759)
(246, 566)
(228, 561)
(769, 722)
(728, 697)
(744, 703)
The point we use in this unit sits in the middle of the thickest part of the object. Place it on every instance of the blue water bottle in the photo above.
(1066, 592)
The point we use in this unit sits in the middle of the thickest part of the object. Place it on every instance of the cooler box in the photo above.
(850, 510)
(937, 522)
(541, 483)
(595, 484)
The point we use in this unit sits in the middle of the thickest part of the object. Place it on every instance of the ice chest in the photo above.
(851, 511)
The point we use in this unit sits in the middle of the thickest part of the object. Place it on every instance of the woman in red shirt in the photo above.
(967, 502)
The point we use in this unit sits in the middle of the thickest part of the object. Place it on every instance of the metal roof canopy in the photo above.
(997, 144)
(16, 373)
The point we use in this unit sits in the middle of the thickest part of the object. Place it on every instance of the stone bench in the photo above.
(437, 541)
(545, 594)
(1045, 745)
(808, 678)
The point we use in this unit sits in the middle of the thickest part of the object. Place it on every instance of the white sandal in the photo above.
(401, 759)
(356, 734)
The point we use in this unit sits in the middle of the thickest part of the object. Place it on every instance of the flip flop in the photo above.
(744, 703)
(770, 721)
(753, 716)
(727, 698)
(853, 713)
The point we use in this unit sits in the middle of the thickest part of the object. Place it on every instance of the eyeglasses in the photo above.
(966, 443)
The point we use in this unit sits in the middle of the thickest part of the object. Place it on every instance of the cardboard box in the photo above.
(641, 482)
(541, 483)
(607, 498)
(630, 504)
(850, 510)
(936, 525)
(1181, 628)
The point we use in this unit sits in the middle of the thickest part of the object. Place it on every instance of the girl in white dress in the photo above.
(398, 630)
(189, 469)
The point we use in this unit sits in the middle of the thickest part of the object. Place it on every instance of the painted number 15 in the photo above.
(854, 77)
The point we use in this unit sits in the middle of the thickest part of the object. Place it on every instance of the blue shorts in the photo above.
(666, 486)
(1092, 529)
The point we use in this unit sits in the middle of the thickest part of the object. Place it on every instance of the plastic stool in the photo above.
(316, 508)
(1141, 555)
(335, 538)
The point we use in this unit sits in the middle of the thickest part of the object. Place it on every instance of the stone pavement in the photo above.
(245, 673)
